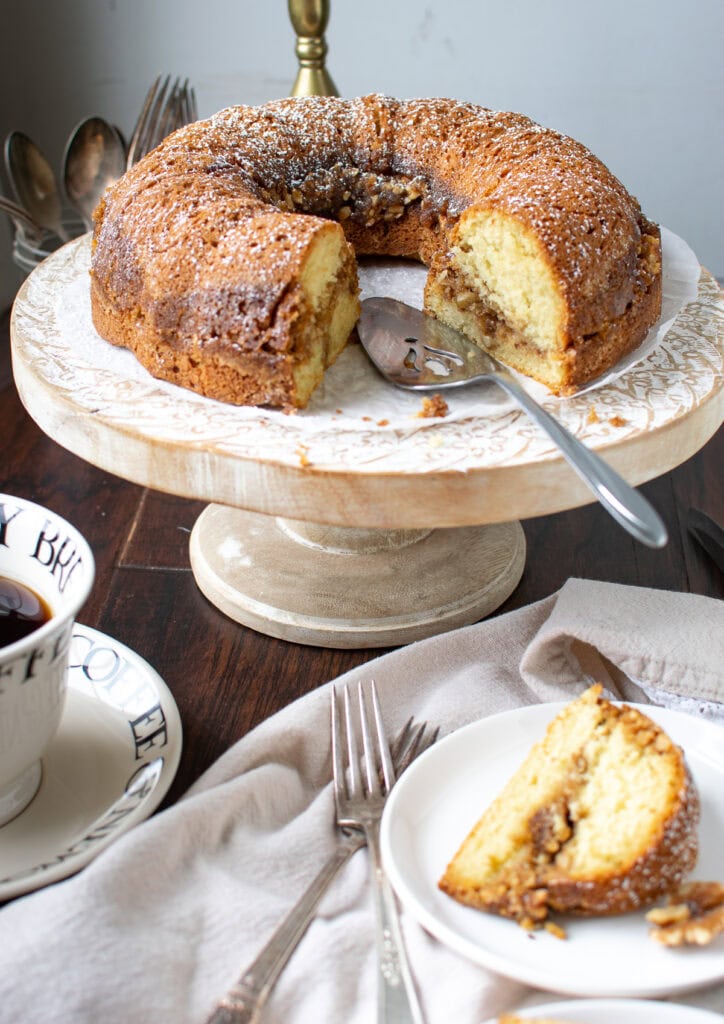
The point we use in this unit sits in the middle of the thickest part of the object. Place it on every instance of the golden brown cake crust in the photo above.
(199, 249)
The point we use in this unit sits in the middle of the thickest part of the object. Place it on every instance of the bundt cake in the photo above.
(601, 818)
(225, 259)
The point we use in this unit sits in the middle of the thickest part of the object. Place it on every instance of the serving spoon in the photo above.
(21, 218)
(33, 182)
(416, 352)
(94, 158)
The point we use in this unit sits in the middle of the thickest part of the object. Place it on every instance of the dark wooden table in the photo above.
(227, 678)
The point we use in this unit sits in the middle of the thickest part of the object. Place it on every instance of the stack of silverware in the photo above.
(46, 211)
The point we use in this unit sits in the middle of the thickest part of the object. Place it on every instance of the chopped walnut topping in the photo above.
(671, 914)
(693, 915)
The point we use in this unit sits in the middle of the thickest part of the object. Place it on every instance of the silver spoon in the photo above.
(417, 352)
(94, 158)
(33, 182)
(20, 218)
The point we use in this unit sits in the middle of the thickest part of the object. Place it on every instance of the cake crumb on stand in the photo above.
(433, 407)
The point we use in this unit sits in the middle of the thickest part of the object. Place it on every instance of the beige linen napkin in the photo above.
(163, 921)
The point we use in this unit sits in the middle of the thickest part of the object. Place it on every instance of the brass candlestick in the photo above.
(309, 19)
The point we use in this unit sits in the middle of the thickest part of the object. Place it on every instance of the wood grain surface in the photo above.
(226, 678)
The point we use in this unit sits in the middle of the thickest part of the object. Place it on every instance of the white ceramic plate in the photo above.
(620, 1011)
(107, 768)
(440, 797)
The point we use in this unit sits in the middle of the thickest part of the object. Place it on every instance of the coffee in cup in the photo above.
(46, 573)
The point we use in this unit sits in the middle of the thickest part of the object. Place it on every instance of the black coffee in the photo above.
(21, 611)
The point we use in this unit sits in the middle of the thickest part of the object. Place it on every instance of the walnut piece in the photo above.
(692, 916)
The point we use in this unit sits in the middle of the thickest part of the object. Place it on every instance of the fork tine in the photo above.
(355, 777)
(176, 105)
(414, 740)
(337, 754)
(411, 741)
(368, 745)
(149, 136)
(193, 108)
(424, 739)
(146, 125)
(182, 105)
(398, 747)
(140, 132)
(388, 769)
(141, 119)
(133, 141)
(166, 120)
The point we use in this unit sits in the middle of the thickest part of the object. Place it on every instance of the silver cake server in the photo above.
(419, 353)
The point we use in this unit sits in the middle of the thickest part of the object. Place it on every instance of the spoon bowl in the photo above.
(94, 158)
(33, 182)
(416, 352)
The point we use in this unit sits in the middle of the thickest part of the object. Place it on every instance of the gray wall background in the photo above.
(641, 82)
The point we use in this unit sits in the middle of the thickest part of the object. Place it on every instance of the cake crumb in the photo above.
(592, 415)
(693, 915)
(555, 930)
(301, 452)
(431, 407)
(383, 423)
(617, 421)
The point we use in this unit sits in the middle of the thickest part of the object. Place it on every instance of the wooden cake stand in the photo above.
(355, 523)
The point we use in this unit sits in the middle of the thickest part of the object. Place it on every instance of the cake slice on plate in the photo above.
(601, 818)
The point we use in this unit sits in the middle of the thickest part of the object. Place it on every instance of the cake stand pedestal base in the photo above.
(342, 587)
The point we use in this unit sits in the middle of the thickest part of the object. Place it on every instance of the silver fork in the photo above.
(168, 105)
(360, 799)
(244, 1001)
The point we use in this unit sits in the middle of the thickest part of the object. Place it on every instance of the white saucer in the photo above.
(108, 767)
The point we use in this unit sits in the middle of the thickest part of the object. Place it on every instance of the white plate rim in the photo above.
(537, 716)
(156, 774)
(642, 1010)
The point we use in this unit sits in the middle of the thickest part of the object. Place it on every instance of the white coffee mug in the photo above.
(42, 552)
